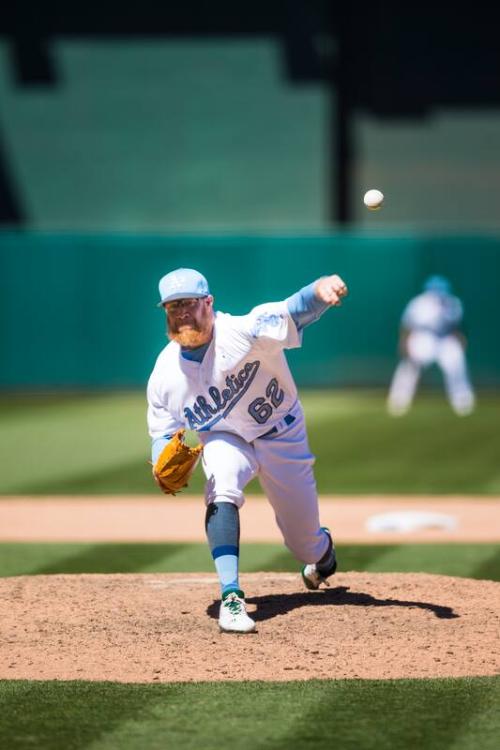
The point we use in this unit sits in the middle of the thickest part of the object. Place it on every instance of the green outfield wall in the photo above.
(80, 310)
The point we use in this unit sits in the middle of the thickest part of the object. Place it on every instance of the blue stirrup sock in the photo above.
(328, 563)
(222, 525)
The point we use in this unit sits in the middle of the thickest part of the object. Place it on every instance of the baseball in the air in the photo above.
(373, 199)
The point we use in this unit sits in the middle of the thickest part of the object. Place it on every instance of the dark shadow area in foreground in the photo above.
(273, 605)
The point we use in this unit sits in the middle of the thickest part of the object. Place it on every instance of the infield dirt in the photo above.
(158, 627)
(156, 519)
(146, 628)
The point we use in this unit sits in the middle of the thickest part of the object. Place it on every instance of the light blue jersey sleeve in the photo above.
(305, 307)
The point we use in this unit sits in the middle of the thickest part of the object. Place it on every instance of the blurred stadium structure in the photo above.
(240, 140)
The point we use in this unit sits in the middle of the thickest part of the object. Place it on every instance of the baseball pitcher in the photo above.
(226, 377)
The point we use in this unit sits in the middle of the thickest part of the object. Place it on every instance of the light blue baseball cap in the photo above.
(438, 284)
(181, 284)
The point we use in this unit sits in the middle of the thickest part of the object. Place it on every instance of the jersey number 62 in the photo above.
(260, 409)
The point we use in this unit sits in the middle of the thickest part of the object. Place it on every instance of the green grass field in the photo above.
(465, 560)
(97, 444)
(344, 715)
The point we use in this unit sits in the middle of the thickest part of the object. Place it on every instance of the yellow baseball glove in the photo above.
(175, 464)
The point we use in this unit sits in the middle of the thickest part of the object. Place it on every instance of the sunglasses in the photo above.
(182, 304)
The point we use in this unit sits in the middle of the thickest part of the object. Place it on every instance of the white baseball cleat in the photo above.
(315, 574)
(397, 410)
(312, 579)
(233, 616)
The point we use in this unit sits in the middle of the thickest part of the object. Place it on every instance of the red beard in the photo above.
(191, 335)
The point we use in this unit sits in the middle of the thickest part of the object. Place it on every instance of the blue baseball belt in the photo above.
(285, 422)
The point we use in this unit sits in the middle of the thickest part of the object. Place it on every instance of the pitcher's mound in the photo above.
(142, 628)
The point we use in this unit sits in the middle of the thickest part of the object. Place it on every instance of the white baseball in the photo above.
(373, 199)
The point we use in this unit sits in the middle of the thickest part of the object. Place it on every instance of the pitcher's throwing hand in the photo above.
(331, 289)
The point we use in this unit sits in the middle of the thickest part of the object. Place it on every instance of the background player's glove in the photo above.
(175, 464)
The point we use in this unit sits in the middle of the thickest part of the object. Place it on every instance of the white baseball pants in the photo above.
(425, 349)
(283, 465)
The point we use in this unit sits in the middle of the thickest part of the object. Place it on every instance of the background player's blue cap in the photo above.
(437, 284)
(181, 284)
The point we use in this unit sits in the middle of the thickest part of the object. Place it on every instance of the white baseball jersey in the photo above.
(242, 386)
(439, 314)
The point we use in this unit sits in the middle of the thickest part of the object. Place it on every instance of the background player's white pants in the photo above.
(284, 467)
(425, 349)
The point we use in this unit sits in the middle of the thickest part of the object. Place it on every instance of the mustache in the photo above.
(175, 327)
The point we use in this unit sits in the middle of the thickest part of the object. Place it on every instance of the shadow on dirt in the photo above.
(271, 605)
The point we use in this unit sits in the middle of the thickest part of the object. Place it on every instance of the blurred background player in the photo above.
(431, 333)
